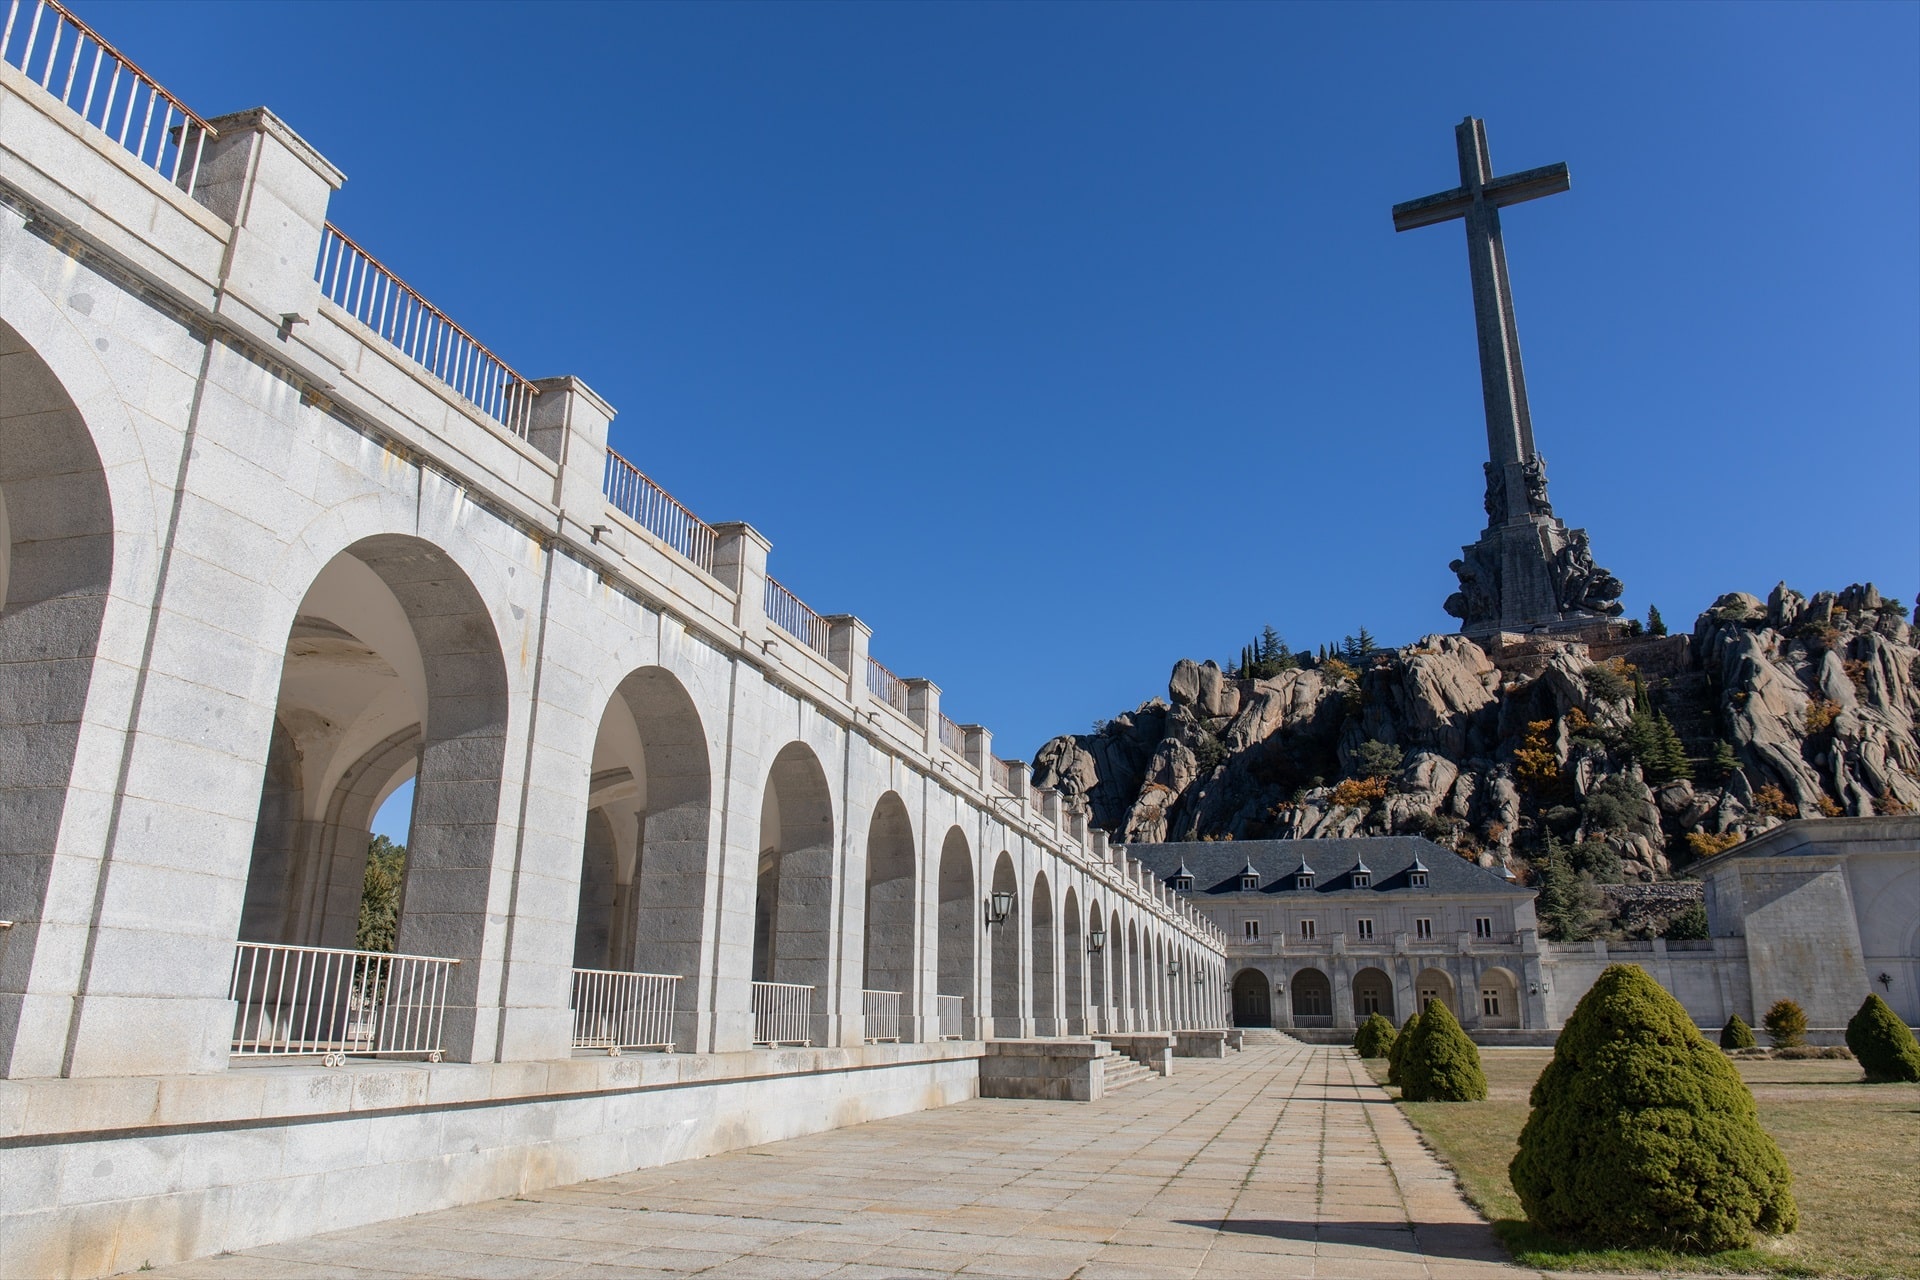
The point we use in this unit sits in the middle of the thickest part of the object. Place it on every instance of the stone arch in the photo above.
(1117, 973)
(1252, 999)
(57, 553)
(1136, 991)
(1007, 1016)
(1434, 984)
(889, 939)
(391, 652)
(1100, 1015)
(1046, 1010)
(1372, 993)
(793, 909)
(1311, 994)
(959, 925)
(1073, 953)
(1499, 1000)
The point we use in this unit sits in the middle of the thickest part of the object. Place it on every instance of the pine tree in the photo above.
(1656, 625)
(1366, 645)
(1725, 760)
(1669, 753)
(1567, 902)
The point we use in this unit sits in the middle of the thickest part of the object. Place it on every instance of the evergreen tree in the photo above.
(1643, 1135)
(1670, 754)
(1441, 1064)
(380, 895)
(1736, 1034)
(1656, 625)
(1567, 901)
(1786, 1024)
(1725, 761)
(1375, 1037)
(1884, 1045)
(1397, 1051)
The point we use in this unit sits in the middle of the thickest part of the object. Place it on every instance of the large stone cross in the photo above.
(1513, 468)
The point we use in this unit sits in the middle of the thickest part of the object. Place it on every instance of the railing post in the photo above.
(980, 752)
(266, 180)
(568, 423)
(740, 561)
(848, 641)
(923, 707)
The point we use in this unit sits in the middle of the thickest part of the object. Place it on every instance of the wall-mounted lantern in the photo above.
(1096, 940)
(999, 906)
(1173, 968)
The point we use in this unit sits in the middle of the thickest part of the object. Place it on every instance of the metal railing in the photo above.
(615, 1010)
(355, 281)
(782, 1013)
(74, 56)
(953, 737)
(788, 612)
(1008, 776)
(657, 511)
(1037, 797)
(952, 1014)
(886, 686)
(319, 1000)
(881, 1010)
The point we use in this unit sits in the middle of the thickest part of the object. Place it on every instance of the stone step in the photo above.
(1266, 1036)
(1123, 1071)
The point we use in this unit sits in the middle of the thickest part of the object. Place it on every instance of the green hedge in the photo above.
(1643, 1135)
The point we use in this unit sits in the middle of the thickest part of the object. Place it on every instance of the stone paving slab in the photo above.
(1280, 1161)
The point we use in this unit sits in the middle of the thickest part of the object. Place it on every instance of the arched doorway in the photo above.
(959, 922)
(1434, 984)
(1046, 1011)
(1136, 985)
(1372, 993)
(793, 907)
(1073, 953)
(889, 933)
(1117, 976)
(391, 664)
(1005, 954)
(1312, 996)
(1100, 1013)
(1499, 999)
(1252, 1001)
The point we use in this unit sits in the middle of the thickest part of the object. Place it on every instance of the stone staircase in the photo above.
(1123, 1071)
(1251, 1036)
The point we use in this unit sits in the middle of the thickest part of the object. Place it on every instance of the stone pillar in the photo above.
(980, 752)
(740, 562)
(1341, 979)
(568, 423)
(847, 642)
(1533, 982)
(923, 708)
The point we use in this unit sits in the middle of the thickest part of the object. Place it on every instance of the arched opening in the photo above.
(392, 669)
(1046, 1010)
(1136, 985)
(793, 902)
(1434, 984)
(1100, 1015)
(56, 567)
(1499, 999)
(889, 934)
(1312, 999)
(643, 873)
(1117, 970)
(959, 923)
(1372, 993)
(1073, 951)
(1252, 1001)
(1006, 952)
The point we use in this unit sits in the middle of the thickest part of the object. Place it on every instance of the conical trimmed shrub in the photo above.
(1441, 1064)
(1884, 1045)
(1786, 1024)
(1643, 1135)
(1375, 1037)
(1397, 1051)
(1736, 1034)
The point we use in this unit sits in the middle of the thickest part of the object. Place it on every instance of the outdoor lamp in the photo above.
(1885, 979)
(1173, 968)
(999, 906)
(1096, 939)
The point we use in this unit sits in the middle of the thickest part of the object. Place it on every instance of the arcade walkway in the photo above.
(1281, 1161)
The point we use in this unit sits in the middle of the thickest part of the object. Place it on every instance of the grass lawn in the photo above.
(1854, 1149)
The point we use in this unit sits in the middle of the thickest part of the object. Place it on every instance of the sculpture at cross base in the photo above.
(1527, 571)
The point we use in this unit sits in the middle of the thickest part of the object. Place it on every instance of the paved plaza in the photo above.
(1282, 1160)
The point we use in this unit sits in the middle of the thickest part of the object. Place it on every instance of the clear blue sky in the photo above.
(1060, 341)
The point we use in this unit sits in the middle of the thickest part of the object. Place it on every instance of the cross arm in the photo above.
(1428, 210)
(1530, 184)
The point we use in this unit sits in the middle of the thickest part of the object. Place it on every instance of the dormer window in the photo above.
(1183, 883)
(1417, 878)
(1250, 880)
(1362, 879)
(1304, 880)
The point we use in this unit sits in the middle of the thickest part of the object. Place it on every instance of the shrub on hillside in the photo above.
(1786, 1024)
(1736, 1034)
(1441, 1064)
(1643, 1135)
(1884, 1045)
(1397, 1051)
(1375, 1037)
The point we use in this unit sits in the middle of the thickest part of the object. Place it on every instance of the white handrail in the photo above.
(356, 282)
(616, 1010)
(951, 1010)
(789, 612)
(881, 1010)
(305, 1001)
(658, 512)
(101, 104)
(782, 1013)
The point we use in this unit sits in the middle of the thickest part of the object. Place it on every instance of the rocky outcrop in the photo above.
(1792, 706)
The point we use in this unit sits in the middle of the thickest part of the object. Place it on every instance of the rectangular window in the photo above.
(1251, 928)
(1483, 926)
(1490, 1002)
(1364, 928)
(1423, 928)
(1306, 931)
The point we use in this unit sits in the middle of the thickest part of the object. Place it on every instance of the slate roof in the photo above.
(1216, 866)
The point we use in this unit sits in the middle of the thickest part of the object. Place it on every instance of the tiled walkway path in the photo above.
(1280, 1161)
